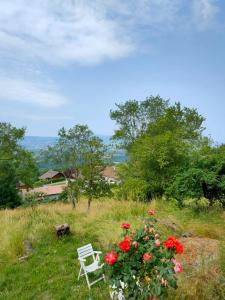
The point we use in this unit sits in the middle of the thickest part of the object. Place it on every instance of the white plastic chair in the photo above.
(83, 253)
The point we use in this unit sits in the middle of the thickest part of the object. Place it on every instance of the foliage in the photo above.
(159, 153)
(198, 205)
(9, 137)
(205, 177)
(16, 164)
(73, 191)
(94, 185)
(133, 118)
(140, 265)
(26, 167)
(78, 148)
(32, 198)
(9, 195)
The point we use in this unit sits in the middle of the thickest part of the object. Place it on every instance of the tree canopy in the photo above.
(16, 165)
(78, 148)
(167, 151)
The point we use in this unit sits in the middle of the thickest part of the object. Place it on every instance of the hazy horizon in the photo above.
(78, 59)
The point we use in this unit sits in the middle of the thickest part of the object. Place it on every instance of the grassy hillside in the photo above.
(51, 270)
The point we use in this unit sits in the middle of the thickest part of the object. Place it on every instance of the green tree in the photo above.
(26, 167)
(91, 169)
(158, 154)
(17, 164)
(80, 149)
(203, 177)
(133, 118)
(9, 195)
(9, 138)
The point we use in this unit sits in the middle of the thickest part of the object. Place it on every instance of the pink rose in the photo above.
(157, 243)
(177, 266)
(111, 258)
(135, 244)
(147, 256)
(151, 212)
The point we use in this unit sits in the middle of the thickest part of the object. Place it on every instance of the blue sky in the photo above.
(67, 62)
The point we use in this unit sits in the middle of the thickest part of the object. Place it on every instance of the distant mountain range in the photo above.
(37, 143)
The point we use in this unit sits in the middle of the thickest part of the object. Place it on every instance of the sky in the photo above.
(64, 62)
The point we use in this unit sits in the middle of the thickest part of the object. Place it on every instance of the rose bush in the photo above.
(141, 265)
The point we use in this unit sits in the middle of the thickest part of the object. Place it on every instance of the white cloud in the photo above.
(32, 92)
(204, 12)
(62, 32)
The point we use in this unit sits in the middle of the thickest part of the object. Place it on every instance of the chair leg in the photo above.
(88, 283)
(79, 273)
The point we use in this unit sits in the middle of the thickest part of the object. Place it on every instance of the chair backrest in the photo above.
(85, 251)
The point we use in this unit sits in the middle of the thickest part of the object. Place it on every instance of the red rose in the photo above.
(125, 245)
(173, 243)
(179, 248)
(147, 256)
(151, 212)
(169, 244)
(111, 258)
(125, 226)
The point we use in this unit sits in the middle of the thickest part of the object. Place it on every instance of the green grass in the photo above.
(51, 270)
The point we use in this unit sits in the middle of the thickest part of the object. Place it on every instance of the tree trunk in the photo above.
(89, 203)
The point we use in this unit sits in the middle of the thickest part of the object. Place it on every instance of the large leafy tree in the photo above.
(203, 177)
(17, 164)
(9, 195)
(160, 151)
(78, 148)
(92, 166)
(133, 118)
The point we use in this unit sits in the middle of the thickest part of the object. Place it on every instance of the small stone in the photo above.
(27, 246)
(23, 258)
(187, 234)
(171, 225)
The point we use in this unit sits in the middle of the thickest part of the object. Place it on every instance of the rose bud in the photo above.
(157, 243)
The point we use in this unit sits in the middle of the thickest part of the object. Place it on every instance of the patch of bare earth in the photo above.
(201, 278)
(199, 251)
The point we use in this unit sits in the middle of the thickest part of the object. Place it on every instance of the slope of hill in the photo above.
(50, 270)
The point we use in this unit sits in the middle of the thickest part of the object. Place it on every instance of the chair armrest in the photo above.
(98, 252)
(81, 259)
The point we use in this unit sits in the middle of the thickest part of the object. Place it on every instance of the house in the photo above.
(51, 175)
(110, 175)
(49, 191)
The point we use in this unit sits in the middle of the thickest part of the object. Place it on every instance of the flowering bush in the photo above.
(141, 265)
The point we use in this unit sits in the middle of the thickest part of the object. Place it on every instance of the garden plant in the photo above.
(141, 266)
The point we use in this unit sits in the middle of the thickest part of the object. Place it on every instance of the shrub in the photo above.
(197, 204)
(33, 198)
(141, 266)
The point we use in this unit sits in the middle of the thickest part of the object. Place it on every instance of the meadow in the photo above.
(50, 271)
